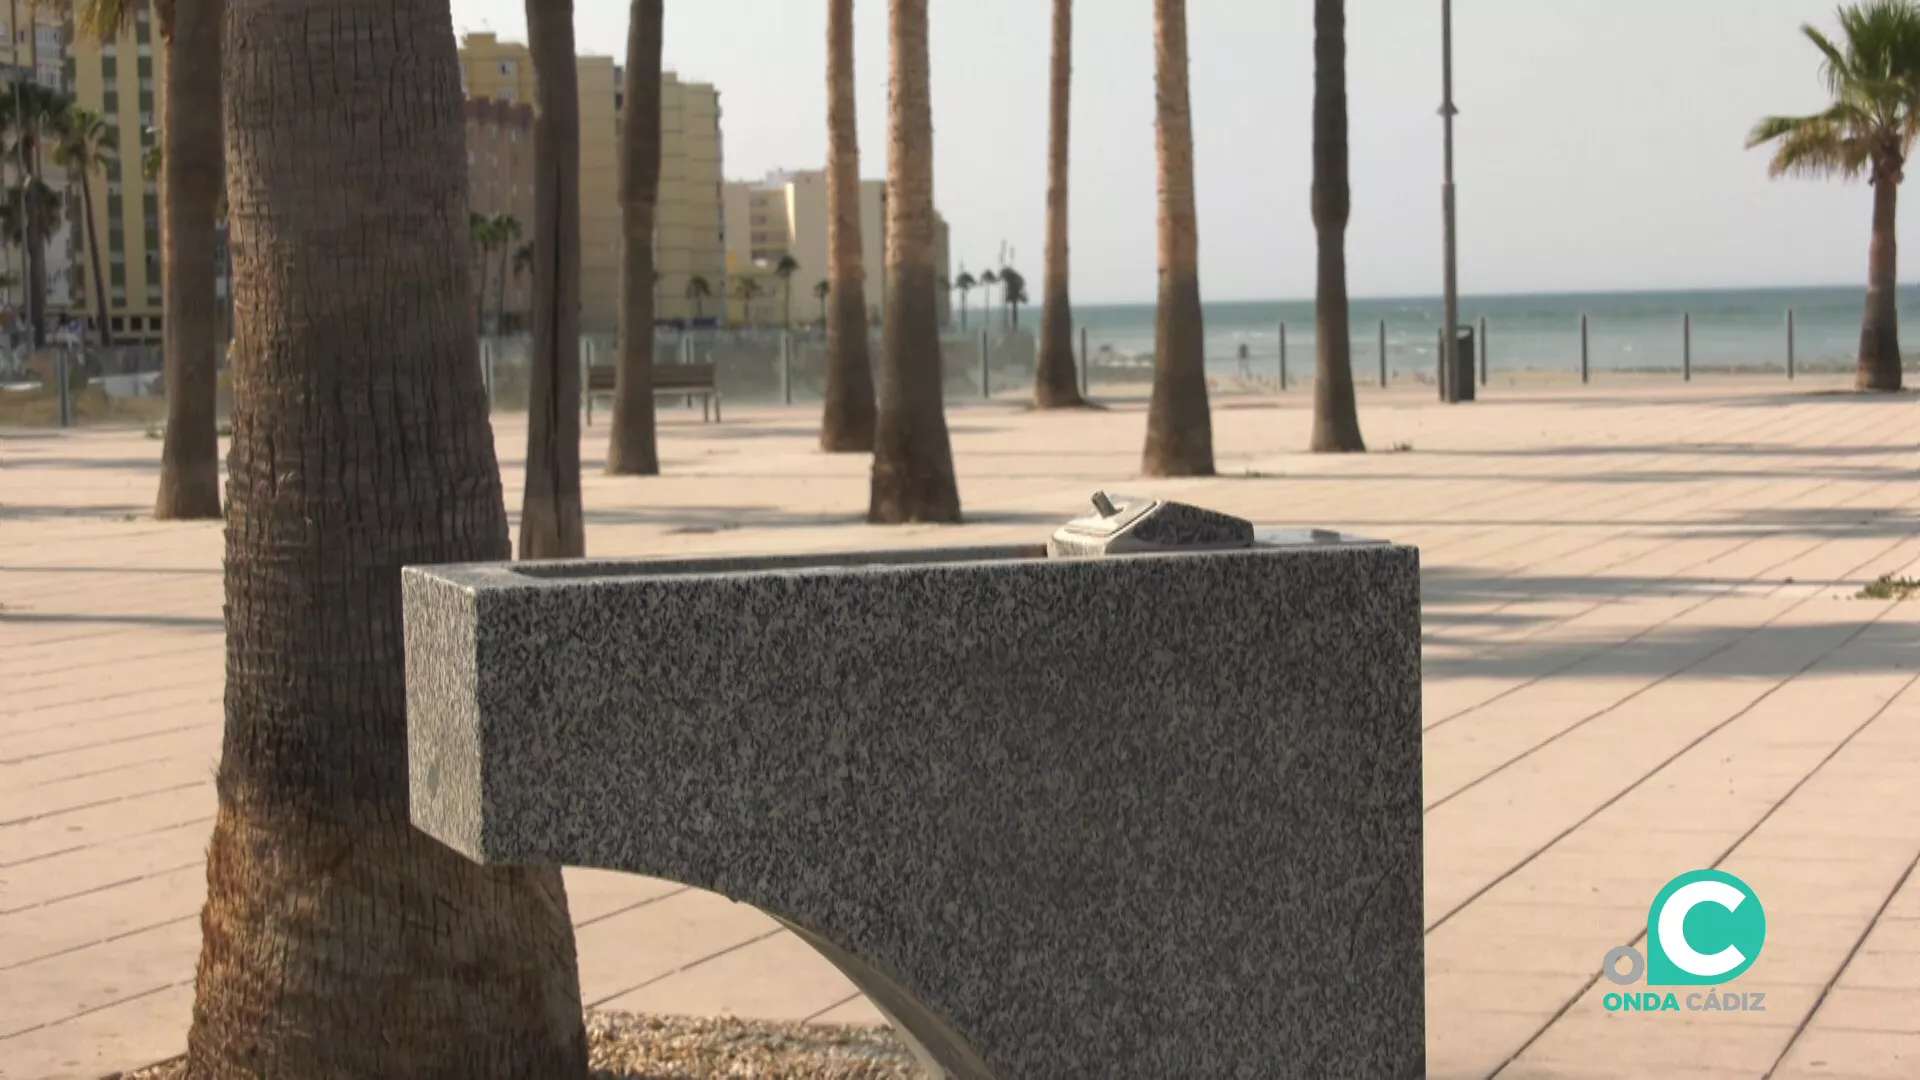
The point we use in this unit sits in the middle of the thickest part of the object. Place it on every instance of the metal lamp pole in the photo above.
(1451, 387)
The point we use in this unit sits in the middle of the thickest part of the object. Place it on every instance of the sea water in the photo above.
(1742, 329)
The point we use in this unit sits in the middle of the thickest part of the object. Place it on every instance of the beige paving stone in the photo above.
(1828, 1052)
(625, 951)
(82, 870)
(778, 978)
(855, 1011)
(593, 895)
(71, 983)
(65, 925)
(147, 1028)
(1641, 560)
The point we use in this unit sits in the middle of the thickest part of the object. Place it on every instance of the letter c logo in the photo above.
(1673, 928)
(1725, 920)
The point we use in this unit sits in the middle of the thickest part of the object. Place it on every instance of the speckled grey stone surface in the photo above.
(1144, 816)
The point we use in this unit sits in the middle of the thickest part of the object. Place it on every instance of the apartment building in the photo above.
(687, 233)
(500, 181)
(121, 80)
(35, 46)
(785, 214)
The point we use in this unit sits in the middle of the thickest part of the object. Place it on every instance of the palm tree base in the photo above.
(900, 498)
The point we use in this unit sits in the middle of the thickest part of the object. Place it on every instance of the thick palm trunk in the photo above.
(93, 256)
(500, 293)
(551, 526)
(912, 461)
(1879, 365)
(1055, 383)
(37, 229)
(191, 163)
(1336, 419)
(337, 939)
(1179, 427)
(632, 448)
(847, 422)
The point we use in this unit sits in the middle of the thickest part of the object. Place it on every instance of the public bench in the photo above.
(669, 380)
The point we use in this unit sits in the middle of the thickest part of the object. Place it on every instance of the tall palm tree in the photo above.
(744, 290)
(551, 525)
(1179, 427)
(821, 290)
(336, 939)
(912, 460)
(506, 231)
(965, 283)
(632, 446)
(41, 114)
(988, 279)
(698, 289)
(1056, 385)
(522, 264)
(189, 159)
(784, 270)
(1873, 73)
(1336, 418)
(847, 419)
(1013, 293)
(485, 236)
(85, 148)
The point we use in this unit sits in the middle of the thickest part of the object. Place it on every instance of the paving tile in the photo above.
(777, 978)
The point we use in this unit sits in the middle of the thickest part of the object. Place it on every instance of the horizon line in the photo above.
(1525, 295)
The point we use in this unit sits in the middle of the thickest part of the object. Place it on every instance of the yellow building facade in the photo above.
(785, 214)
(687, 233)
(122, 81)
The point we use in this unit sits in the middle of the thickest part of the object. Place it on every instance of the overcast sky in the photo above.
(1599, 143)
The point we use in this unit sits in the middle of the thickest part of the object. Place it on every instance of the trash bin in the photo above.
(1464, 360)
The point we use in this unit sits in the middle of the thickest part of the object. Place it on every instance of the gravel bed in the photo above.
(622, 1046)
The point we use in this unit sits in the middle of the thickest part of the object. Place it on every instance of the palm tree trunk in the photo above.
(1879, 364)
(93, 256)
(500, 291)
(1336, 419)
(37, 228)
(847, 421)
(192, 179)
(1179, 427)
(632, 448)
(912, 461)
(551, 526)
(337, 939)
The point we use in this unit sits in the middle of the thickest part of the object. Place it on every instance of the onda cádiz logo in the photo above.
(1705, 929)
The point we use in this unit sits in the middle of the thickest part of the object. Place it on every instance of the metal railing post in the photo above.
(1283, 356)
(1686, 346)
(1383, 354)
(1583, 348)
(986, 377)
(1481, 346)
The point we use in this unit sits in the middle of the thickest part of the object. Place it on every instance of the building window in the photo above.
(153, 324)
(508, 95)
(145, 63)
(108, 49)
(113, 169)
(509, 68)
(133, 323)
(142, 32)
(110, 102)
(152, 238)
(109, 67)
(119, 325)
(117, 274)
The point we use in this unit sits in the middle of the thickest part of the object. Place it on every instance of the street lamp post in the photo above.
(1452, 386)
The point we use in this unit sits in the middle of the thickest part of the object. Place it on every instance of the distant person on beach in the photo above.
(1246, 363)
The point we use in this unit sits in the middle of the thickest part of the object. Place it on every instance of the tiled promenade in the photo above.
(1642, 657)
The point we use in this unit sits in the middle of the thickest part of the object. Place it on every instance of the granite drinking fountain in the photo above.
(1141, 801)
